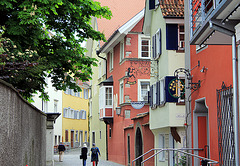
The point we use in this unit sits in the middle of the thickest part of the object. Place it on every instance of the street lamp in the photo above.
(118, 110)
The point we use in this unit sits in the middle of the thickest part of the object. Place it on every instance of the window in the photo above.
(100, 70)
(161, 145)
(144, 46)
(76, 136)
(45, 106)
(55, 105)
(162, 91)
(181, 89)
(157, 45)
(111, 60)
(100, 134)
(105, 97)
(143, 90)
(153, 4)
(83, 114)
(153, 92)
(110, 133)
(85, 93)
(121, 50)
(181, 34)
(93, 137)
(108, 96)
(121, 93)
(127, 114)
(86, 136)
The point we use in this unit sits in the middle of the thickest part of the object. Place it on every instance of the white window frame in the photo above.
(127, 114)
(140, 81)
(111, 60)
(181, 43)
(121, 92)
(162, 92)
(122, 54)
(107, 98)
(161, 144)
(140, 38)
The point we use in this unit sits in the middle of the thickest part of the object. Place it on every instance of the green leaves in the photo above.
(53, 31)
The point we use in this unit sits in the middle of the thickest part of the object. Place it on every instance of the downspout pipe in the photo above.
(235, 100)
(98, 54)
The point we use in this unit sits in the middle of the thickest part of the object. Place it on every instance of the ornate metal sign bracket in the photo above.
(191, 85)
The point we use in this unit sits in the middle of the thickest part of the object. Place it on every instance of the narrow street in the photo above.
(71, 158)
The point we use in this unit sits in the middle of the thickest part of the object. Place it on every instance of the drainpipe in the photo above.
(98, 52)
(235, 99)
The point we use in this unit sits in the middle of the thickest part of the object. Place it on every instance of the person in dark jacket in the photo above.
(84, 151)
(61, 149)
(94, 157)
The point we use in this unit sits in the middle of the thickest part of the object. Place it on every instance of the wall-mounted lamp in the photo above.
(118, 110)
(204, 69)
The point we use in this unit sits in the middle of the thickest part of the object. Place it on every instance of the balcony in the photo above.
(213, 21)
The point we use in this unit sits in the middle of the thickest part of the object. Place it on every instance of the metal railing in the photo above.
(200, 10)
(181, 150)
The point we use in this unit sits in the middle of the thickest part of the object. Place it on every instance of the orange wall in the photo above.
(218, 60)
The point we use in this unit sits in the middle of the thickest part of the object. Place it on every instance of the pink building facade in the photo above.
(124, 94)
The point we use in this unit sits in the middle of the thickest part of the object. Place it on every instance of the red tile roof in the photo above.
(172, 8)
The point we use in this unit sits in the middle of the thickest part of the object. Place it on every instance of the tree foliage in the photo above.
(46, 36)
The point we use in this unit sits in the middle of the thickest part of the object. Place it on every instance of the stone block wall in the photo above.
(22, 128)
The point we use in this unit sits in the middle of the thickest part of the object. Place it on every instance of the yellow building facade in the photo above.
(75, 117)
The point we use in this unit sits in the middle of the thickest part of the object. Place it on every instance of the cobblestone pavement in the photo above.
(71, 158)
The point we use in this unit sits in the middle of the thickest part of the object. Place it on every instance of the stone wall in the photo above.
(22, 128)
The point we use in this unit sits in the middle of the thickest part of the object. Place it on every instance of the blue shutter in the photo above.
(153, 47)
(64, 112)
(151, 96)
(169, 97)
(81, 114)
(157, 93)
(160, 42)
(75, 114)
(151, 4)
(172, 36)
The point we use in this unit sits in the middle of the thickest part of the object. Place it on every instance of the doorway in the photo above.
(72, 138)
(138, 146)
(200, 129)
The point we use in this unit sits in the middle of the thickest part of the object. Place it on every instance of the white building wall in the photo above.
(53, 95)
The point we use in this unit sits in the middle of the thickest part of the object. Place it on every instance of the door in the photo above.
(139, 147)
(72, 138)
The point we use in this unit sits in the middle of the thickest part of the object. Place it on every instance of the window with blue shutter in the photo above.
(151, 4)
(169, 92)
(172, 36)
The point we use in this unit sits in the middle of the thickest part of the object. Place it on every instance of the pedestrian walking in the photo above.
(94, 157)
(61, 149)
(83, 155)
